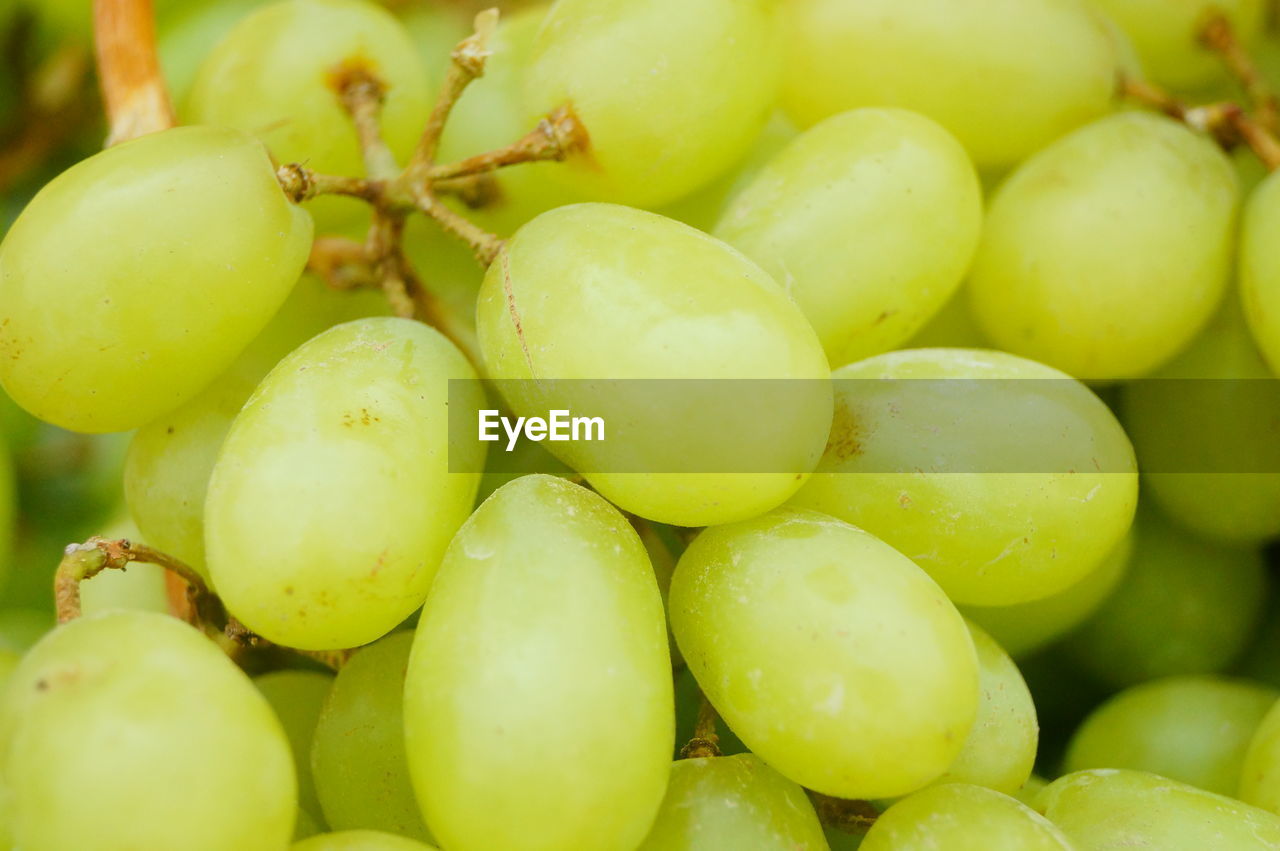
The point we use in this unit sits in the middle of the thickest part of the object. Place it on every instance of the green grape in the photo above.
(167, 470)
(539, 685)
(1000, 748)
(296, 697)
(1166, 34)
(1184, 606)
(840, 214)
(1191, 729)
(1260, 773)
(1106, 252)
(361, 840)
(1260, 269)
(1116, 808)
(602, 291)
(131, 730)
(305, 825)
(8, 664)
(436, 28)
(988, 537)
(670, 94)
(961, 817)
(1028, 791)
(1005, 76)
(952, 327)
(358, 756)
(830, 654)
(733, 802)
(186, 39)
(331, 502)
(272, 76)
(138, 275)
(1217, 415)
(1026, 627)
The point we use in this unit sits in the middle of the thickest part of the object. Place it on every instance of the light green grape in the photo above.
(358, 757)
(961, 817)
(1113, 808)
(167, 470)
(539, 685)
(1166, 34)
(1184, 606)
(1191, 729)
(1216, 415)
(1260, 268)
(1000, 748)
(331, 501)
(1029, 790)
(131, 730)
(185, 40)
(1106, 252)
(273, 75)
(838, 218)
(1005, 76)
(832, 656)
(733, 802)
(305, 825)
(296, 697)
(1023, 628)
(361, 840)
(929, 466)
(670, 94)
(1260, 774)
(602, 291)
(138, 275)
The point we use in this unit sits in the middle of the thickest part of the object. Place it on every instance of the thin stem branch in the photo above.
(129, 69)
(361, 93)
(555, 137)
(302, 184)
(240, 635)
(705, 741)
(1218, 35)
(83, 561)
(848, 816)
(484, 245)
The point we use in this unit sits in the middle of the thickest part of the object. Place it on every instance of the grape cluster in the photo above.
(1014, 252)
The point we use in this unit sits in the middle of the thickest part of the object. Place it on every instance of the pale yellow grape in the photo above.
(1004, 479)
(1106, 252)
(296, 697)
(185, 39)
(1115, 808)
(603, 291)
(131, 730)
(1191, 729)
(840, 215)
(1026, 627)
(733, 802)
(1001, 746)
(331, 502)
(539, 685)
(361, 840)
(1206, 437)
(1260, 774)
(167, 470)
(135, 277)
(1260, 268)
(272, 76)
(1005, 76)
(358, 756)
(962, 817)
(671, 94)
(801, 628)
(1166, 34)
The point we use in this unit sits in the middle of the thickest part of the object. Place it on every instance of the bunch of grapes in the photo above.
(999, 256)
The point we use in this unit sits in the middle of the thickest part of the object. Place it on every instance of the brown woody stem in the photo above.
(1218, 35)
(484, 245)
(129, 69)
(849, 816)
(83, 561)
(705, 741)
(361, 93)
(553, 139)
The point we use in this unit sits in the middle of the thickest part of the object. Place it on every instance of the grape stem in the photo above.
(129, 69)
(242, 636)
(1219, 36)
(705, 741)
(555, 137)
(848, 816)
(84, 561)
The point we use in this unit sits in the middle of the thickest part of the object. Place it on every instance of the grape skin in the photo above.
(962, 817)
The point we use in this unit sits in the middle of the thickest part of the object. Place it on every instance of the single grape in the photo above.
(962, 817)
(602, 291)
(1184, 606)
(331, 502)
(833, 657)
(670, 94)
(1105, 253)
(838, 217)
(296, 697)
(920, 455)
(185, 39)
(361, 840)
(1023, 628)
(1191, 729)
(358, 757)
(539, 685)
(1204, 430)
(135, 277)
(1260, 270)
(1117, 808)
(733, 802)
(274, 74)
(1166, 34)
(1260, 774)
(165, 741)
(1005, 76)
